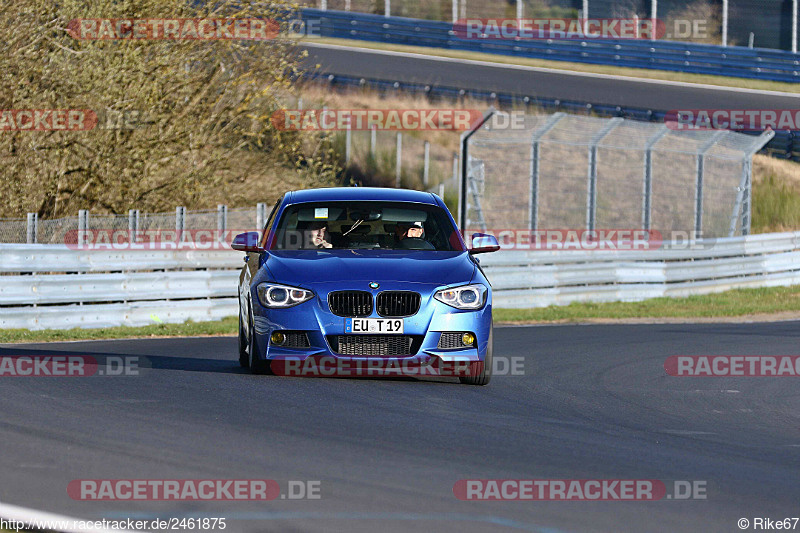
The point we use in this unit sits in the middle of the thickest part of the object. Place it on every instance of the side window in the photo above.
(270, 222)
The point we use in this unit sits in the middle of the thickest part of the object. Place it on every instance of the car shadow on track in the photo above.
(123, 363)
(115, 361)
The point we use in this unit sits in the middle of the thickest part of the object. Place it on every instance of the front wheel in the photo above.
(480, 372)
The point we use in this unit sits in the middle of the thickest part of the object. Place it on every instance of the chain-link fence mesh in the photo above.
(13, 230)
(243, 219)
(115, 228)
(374, 154)
(157, 221)
(203, 219)
(58, 231)
(108, 222)
(579, 172)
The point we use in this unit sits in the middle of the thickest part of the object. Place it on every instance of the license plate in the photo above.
(373, 325)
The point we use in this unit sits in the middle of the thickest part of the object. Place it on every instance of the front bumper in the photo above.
(315, 319)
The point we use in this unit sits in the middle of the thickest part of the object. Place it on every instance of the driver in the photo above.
(315, 235)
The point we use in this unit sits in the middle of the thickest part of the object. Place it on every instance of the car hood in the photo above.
(308, 267)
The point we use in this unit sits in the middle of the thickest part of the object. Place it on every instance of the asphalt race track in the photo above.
(542, 83)
(594, 403)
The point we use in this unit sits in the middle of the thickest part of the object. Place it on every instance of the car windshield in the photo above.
(364, 225)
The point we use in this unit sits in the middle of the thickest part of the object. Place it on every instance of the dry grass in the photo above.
(379, 168)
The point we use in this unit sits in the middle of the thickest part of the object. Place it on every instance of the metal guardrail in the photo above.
(201, 285)
(522, 279)
(54, 287)
(733, 61)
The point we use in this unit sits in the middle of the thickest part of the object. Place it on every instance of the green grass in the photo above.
(740, 302)
(724, 81)
(776, 205)
(226, 326)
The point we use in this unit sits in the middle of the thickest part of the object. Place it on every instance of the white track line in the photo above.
(30, 516)
(475, 62)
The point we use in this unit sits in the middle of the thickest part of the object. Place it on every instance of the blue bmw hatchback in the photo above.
(364, 276)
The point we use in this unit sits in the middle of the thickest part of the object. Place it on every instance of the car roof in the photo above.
(332, 194)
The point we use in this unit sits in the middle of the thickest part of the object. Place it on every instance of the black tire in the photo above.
(244, 356)
(257, 366)
(480, 372)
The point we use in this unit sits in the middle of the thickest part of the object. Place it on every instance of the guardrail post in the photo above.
(591, 187)
(647, 203)
(653, 17)
(33, 226)
(133, 224)
(724, 22)
(584, 14)
(261, 216)
(794, 26)
(533, 198)
(425, 164)
(83, 227)
(222, 221)
(180, 219)
(399, 160)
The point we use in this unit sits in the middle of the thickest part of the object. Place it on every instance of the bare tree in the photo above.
(176, 118)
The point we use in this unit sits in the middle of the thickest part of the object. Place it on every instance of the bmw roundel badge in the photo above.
(373, 285)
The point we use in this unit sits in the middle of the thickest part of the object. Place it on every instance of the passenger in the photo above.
(406, 230)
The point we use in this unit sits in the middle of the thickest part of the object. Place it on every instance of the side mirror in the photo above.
(247, 242)
(483, 243)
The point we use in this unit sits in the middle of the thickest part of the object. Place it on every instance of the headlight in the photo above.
(466, 297)
(274, 296)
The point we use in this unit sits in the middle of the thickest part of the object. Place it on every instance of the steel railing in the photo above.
(140, 287)
(735, 61)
